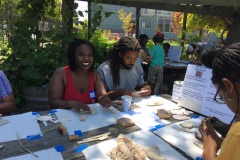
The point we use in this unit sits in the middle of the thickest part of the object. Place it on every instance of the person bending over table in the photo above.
(75, 86)
(224, 63)
(120, 74)
(7, 104)
(194, 51)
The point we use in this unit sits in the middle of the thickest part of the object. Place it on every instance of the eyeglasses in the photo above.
(217, 97)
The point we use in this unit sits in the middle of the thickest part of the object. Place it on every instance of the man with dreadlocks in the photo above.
(120, 74)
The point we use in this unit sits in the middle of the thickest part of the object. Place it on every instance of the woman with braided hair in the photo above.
(120, 74)
(78, 84)
(225, 65)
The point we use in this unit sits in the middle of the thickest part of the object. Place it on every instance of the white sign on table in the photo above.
(198, 93)
(175, 53)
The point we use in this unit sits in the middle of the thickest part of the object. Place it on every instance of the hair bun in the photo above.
(208, 56)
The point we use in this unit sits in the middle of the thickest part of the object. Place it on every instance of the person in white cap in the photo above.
(194, 51)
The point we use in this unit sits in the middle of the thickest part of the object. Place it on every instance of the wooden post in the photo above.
(184, 28)
(89, 19)
(64, 23)
(234, 32)
(137, 22)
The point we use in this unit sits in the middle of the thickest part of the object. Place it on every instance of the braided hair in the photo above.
(71, 51)
(123, 45)
(224, 62)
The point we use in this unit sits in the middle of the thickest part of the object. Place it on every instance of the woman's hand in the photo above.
(105, 101)
(78, 106)
(211, 141)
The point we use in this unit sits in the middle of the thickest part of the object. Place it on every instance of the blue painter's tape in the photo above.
(78, 132)
(52, 111)
(153, 129)
(80, 148)
(59, 148)
(154, 113)
(195, 116)
(159, 126)
(35, 113)
(198, 158)
(34, 137)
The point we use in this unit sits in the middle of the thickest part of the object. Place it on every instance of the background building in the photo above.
(149, 20)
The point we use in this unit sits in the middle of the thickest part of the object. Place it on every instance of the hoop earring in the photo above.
(230, 99)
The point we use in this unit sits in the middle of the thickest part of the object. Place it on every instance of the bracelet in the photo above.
(65, 105)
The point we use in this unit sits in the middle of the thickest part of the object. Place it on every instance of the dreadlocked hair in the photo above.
(71, 51)
(123, 45)
(224, 62)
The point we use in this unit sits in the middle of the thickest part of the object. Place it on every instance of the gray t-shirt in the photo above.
(129, 79)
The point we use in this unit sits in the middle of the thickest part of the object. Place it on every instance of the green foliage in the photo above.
(126, 19)
(149, 45)
(211, 23)
(102, 45)
(98, 17)
(34, 58)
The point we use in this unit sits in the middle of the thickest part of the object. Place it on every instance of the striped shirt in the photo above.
(5, 86)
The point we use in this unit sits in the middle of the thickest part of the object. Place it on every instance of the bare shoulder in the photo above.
(59, 73)
(95, 74)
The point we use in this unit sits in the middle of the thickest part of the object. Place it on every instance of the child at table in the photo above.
(155, 74)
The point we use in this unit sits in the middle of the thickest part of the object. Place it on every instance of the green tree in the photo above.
(126, 19)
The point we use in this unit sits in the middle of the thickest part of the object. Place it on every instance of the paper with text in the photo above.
(198, 93)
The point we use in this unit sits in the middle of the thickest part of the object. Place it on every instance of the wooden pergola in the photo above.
(221, 8)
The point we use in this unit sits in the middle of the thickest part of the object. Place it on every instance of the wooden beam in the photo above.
(204, 10)
(226, 3)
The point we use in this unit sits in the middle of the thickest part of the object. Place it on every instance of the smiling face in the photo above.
(128, 59)
(83, 57)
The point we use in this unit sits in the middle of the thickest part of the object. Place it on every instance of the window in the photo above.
(112, 8)
(167, 27)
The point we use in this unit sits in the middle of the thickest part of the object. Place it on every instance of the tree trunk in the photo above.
(184, 28)
(64, 24)
(234, 32)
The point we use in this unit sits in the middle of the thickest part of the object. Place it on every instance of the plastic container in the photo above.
(177, 89)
